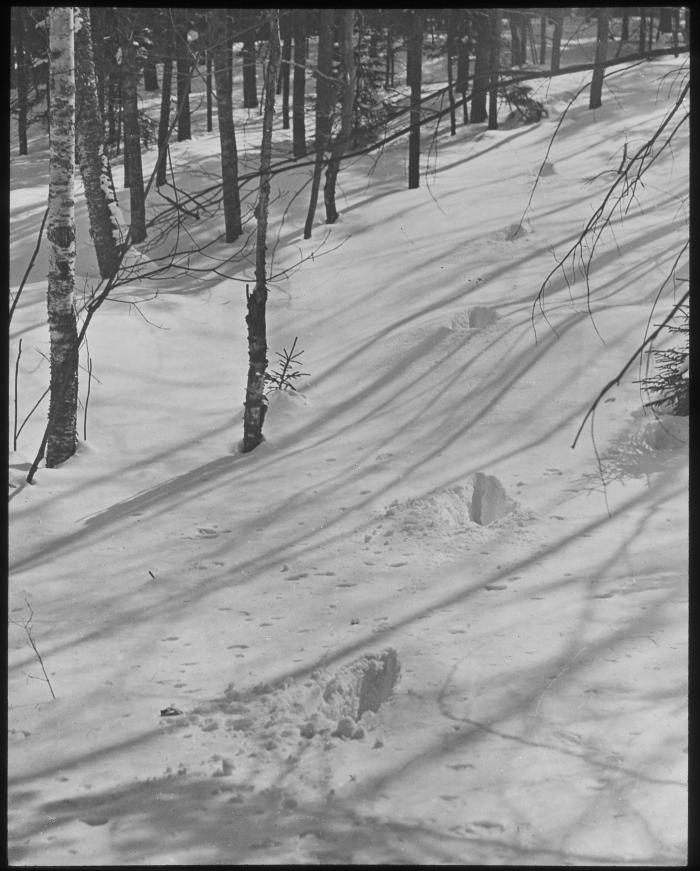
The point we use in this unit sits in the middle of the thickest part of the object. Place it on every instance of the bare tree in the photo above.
(103, 208)
(601, 53)
(324, 88)
(414, 70)
(164, 122)
(255, 405)
(219, 39)
(132, 136)
(62, 437)
(558, 18)
(299, 87)
(494, 63)
(340, 143)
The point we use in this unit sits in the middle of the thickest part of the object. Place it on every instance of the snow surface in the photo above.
(540, 712)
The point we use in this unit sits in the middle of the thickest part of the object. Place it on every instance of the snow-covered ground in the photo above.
(540, 712)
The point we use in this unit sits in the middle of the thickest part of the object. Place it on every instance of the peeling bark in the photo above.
(63, 436)
(255, 403)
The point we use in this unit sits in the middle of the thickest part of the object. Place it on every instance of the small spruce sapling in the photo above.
(286, 373)
(669, 386)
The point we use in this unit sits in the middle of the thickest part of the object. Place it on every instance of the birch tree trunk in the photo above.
(601, 53)
(221, 56)
(255, 403)
(103, 209)
(323, 107)
(347, 68)
(62, 439)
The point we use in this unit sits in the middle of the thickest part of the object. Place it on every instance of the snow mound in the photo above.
(445, 511)
(276, 722)
(649, 446)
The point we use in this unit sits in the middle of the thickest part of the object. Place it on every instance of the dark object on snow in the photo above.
(489, 499)
(170, 712)
(378, 681)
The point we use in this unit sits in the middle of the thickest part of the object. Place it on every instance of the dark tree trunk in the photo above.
(601, 54)
(642, 31)
(250, 93)
(389, 71)
(543, 39)
(494, 65)
(299, 87)
(103, 210)
(524, 36)
(227, 133)
(347, 76)
(284, 72)
(150, 75)
(209, 86)
(255, 403)
(558, 18)
(414, 70)
(463, 44)
(450, 43)
(164, 122)
(625, 31)
(324, 106)
(515, 53)
(21, 80)
(182, 54)
(481, 67)
(132, 138)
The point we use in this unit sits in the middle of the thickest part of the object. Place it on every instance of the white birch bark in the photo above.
(62, 438)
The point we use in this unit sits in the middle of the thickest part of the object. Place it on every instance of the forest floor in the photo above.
(539, 716)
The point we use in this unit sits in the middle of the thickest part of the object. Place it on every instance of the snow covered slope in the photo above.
(540, 712)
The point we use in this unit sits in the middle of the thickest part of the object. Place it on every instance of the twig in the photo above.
(31, 263)
(87, 398)
(14, 429)
(27, 626)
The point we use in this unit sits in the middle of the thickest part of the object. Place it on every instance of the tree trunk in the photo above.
(164, 122)
(250, 92)
(642, 31)
(284, 73)
(63, 405)
(347, 73)
(105, 217)
(182, 55)
(323, 107)
(515, 53)
(414, 70)
(389, 69)
(132, 138)
(543, 38)
(494, 64)
(299, 87)
(481, 67)
(625, 31)
(255, 403)
(601, 53)
(227, 132)
(524, 35)
(21, 82)
(150, 75)
(462, 84)
(558, 18)
(113, 109)
(209, 86)
(449, 46)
